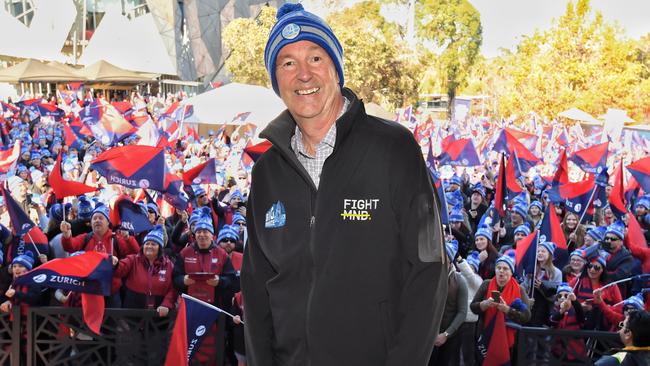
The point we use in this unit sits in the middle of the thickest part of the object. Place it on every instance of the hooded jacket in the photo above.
(351, 273)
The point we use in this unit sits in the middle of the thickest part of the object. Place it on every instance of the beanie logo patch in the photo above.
(290, 31)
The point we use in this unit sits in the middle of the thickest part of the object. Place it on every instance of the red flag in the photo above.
(65, 188)
(562, 173)
(177, 352)
(92, 307)
(511, 177)
(635, 241)
(617, 196)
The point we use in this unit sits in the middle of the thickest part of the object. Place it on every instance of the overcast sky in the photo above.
(504, 21)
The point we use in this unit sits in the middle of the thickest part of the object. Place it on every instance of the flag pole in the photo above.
(208, 305)
(582, 216)
(34, 244)
(532, 287)
(624, 280)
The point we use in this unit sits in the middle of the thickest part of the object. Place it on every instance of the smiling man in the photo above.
(344, 263)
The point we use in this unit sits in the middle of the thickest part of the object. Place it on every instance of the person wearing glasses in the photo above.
(576, 267)
(594, 278)
(615, 314)
(635, 335)
(620, 263)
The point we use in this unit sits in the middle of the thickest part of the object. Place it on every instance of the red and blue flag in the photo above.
(640, 170)
(71, 138)
(592, 159)
(526, 255)
(8, 158)
(576, 196)
(193, 320)
(460, 152)
(49, 110)
(501, 188)
(551, 230)
(204, 173)
(89, 273)
(257, 150)
(106, 123)
(529, 140)
(134, 166)
(174, 194)
(129, 215)
(508, 144)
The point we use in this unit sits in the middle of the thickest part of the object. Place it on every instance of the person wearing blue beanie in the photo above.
(595, 235)
(84, 208)
(228, 238)
(320, 188)
(295, 24)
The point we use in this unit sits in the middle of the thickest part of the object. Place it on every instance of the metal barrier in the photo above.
(546, 346)
(58, 336)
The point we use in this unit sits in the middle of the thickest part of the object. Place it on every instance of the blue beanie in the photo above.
(473, 260)
(456, 214)
(237, 194)
(153, 207)
(228, 232)
(564, 287)
(548, 245)
(579, 253)
(26, 260)
(536, 204)
(156, 236)
(35, 155)
(101, 209)
(485, 232)
(454, 198)
(456, 180)
(478, 188)
(196, 215)
(597, 233)
(523, 228)
(296, 24)
(204, 223)
(635, 301)
(520, 209)
(452, 249)
(508, 258)
(85, 208)
(616, 228)
(56, 211)
(198, 190)
(237, 217)
(643, 201)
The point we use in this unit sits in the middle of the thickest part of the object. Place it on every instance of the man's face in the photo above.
(640, 210)
(202, 200)
(99, 224)
(235, 201)
(228, 245)
(307, 81)
(204, 238)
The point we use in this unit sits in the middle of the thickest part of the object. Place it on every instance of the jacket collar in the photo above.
(280, 130)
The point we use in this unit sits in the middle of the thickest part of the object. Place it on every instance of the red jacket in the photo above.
(125, 247)
(147, 286)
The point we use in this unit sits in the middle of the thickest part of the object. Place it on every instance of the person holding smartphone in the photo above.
(496, 300)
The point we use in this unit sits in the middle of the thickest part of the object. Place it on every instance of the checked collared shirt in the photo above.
(314, 163)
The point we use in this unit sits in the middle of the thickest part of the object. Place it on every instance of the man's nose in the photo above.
(304, 71)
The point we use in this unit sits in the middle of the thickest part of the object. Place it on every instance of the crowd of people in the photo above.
(199, 251)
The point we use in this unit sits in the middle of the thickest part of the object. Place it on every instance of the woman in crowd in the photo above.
(573, 231)
(486, 251)
(535, 213)
(497, 300)
(576, 266)
(547, 278)
(148, 276)
(594, 278)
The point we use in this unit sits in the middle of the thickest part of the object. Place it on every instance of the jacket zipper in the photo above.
(312, 224)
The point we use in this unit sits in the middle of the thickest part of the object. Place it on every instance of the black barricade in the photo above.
(58, 336)
(552, 347)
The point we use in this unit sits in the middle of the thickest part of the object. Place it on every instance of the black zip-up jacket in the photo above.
(356, 275)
